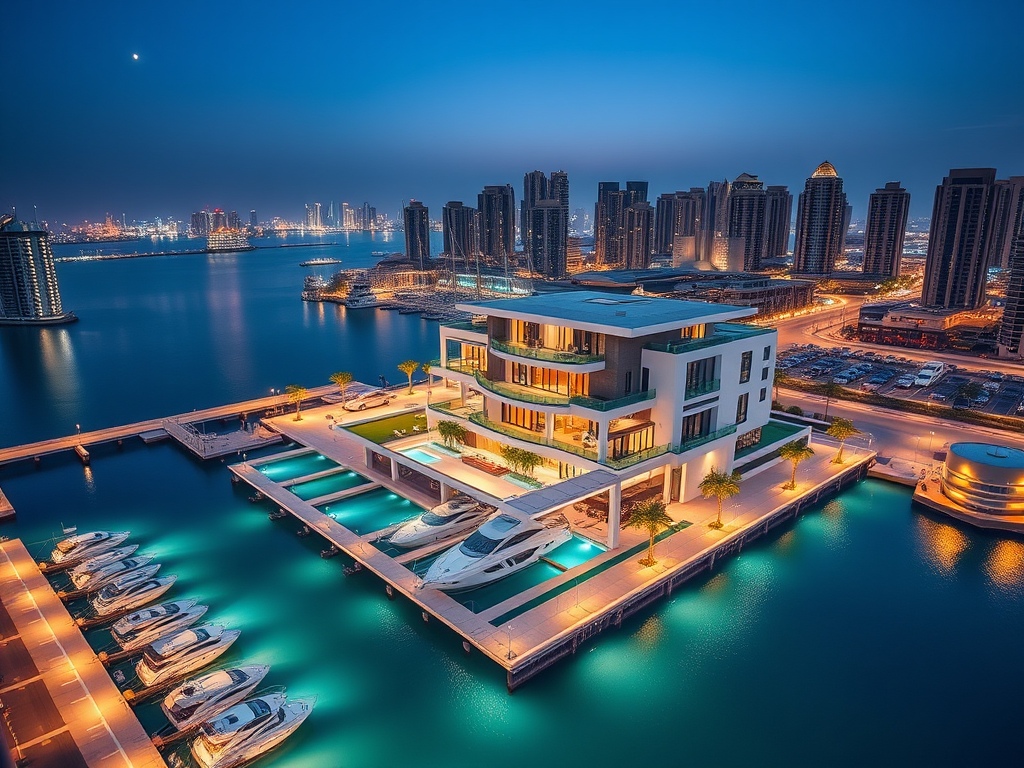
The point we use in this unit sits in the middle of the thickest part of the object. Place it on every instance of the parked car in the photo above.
(905, 382)
(937, 397)
(368, 400)
(991, 385)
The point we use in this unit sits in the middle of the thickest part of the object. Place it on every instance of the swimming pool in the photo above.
(421, 456)
(371, 511)
(339, 481)
(296, 466)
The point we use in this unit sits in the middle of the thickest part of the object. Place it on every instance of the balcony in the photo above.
(467, 326)
(462, 365)
(723, 334)
(695, 442)
(534, 396)
(594, 404)
(703, 388)
(530, 437)
(543, 354)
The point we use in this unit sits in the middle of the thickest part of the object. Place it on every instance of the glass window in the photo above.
(764, 374)
(741, 408)
(745, 362)
(478, 545)
(629, 382)
(767, 353)
(764, 394)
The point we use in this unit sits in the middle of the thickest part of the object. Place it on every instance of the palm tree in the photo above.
(722, 485)
(831, 391)
(796, 452)
(342, 379)
(296, 394)
(426, 370)
(970, 389)
(529, 461)
(779, 379)
(650, 515)
(451, 433)
(409, 367)
(841, 430)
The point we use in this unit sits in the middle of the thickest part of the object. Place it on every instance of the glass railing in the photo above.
(448, 409)
(462, 365)
(687, 445)
(519, 392)
(465, 325)
(723, 334)
(543, 354)
(610, 405)
(530, 437)
(703, 388)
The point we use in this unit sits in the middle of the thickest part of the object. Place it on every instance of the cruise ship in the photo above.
(360, 295)
(228, 240)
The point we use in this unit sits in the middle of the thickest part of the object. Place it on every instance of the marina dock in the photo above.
(6, 509)
(60, 706)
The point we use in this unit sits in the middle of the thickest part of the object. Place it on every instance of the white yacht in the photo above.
(203, 697)
(181, 653)
(128, 592)
(162, 620)
(95, 563)
(360, 295)
(139, 620)
(503, 545)
(248, 730)
(91, 581)
(82, 546)
(455, 516)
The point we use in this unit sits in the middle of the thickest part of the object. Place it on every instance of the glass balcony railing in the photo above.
(635, 458)
(703, 388)
(543, 354)
(533, 396)
(466, 325)
(462, 365)
(530, 437)
(692, 443)
(610, 405)
(723, 334)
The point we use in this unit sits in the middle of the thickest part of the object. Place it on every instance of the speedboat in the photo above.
(95, 563)
(91, 581)
(503, 545)
(181, 653)
(443, 521)
(129, 592)
(248, 730)
(82, 546)
(159, 621)
(203, 697)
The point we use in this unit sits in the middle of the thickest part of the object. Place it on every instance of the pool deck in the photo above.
(547, 630)
(59, 701)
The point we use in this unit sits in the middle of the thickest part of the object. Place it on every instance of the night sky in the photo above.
(269, 105)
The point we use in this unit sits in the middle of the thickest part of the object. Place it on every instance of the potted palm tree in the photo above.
(721, 485)
(841, 429)
(342, 379)
(795, 452)
(650, 515)
(409, 367)
(296, 394)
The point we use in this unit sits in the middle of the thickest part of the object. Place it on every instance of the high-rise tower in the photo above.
(747, 219)
(416, 217)
(549, 238)
(1007, 219)
(778, 214)
(460, 226)
(820, 211)
(1011, 329)
(886, 227)
(637, 235)
(610, 222)
(497, 206)
(538, 188)
(956, 267)
(28, 278)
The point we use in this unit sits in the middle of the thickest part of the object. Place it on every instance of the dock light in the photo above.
(78, 430)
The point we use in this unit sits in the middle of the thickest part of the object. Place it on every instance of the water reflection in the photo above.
(1005, 564)
(941, 544)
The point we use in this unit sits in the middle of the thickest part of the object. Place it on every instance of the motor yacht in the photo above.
(443, 521)
(248, 730)
(105, 574)
(111, 555)
(503, 545)
(203, 697)
(128, 592)
(127, 626)
(183, 652)
(171, 620)
(74, 549)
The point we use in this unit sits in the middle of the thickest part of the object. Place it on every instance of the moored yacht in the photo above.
(503, 545)
(129, 592)
(248, 730)
(181, 653)
(203, 697)
(91, 581)
(82, 546)
(360, 295)
(141, 619)
(111, 555)
(455, 516)
(164, 620)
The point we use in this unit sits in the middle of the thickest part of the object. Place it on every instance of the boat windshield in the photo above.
(478, 545)
(259, 707)
(432, 518)
(237, 676)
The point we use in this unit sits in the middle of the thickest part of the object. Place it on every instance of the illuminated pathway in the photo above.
(59, 701)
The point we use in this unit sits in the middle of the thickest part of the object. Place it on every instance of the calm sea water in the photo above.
(868, 633)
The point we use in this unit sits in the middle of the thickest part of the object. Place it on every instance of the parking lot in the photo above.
(900, 377)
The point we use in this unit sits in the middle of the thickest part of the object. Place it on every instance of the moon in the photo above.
(135, 56)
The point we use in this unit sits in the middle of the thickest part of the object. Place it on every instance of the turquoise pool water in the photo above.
(340, 481)
(421, 456)
(296, 466)
(843, 640)
(371, 511)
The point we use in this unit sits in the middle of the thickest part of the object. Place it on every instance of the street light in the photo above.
(78, 430)
(930, 436)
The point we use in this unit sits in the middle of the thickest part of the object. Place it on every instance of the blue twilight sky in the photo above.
(270, 105)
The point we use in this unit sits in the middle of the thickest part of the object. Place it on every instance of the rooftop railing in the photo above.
(543, 354)
(595, 404)
(723, 334)
(465, 325)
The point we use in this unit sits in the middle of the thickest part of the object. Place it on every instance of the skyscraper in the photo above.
(200, 226)
(747, 219)
(1007, 219)
(604, 218)
(820, 211)
(252, 219)
(778, 214)
(460, 226)
(218, 220)
(234, 220)
(416, 218)
(28, 279)
(715, 224)
(538, 188)
(665, 224)
(497, 205)
(1011, 330)
(956, 266)
(687, 239)
(886, 227)
(637, 235)
(610, 222)
(549, 232)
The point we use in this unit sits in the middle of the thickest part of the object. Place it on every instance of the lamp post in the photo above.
(78, 430)
(510, 628)
(931, 435)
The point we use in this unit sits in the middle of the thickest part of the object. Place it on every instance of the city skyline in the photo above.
(147, 137)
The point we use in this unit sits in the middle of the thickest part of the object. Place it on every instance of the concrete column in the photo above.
(549, 426)
(394, 470)
(462, 391)
(666, 486)
(602, 448)
(446, 492)
(368, 457)
(614, 514)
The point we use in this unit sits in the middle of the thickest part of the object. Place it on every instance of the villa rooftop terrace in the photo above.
(631, 315)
